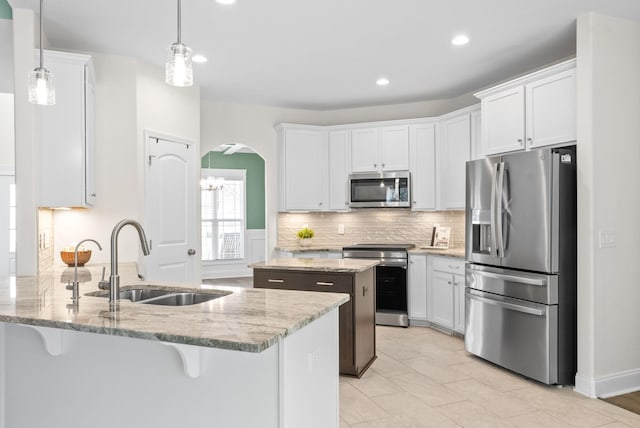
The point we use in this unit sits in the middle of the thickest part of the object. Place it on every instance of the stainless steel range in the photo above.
(391, 279)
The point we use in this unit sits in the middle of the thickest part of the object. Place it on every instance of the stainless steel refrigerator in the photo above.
(520, 242)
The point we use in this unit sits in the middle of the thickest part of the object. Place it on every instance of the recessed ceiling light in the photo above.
(460, 40)
(382, 82)
(226, 1)
(199, 58)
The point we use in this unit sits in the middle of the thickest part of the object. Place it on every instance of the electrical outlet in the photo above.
(340, 229)
(607, 238)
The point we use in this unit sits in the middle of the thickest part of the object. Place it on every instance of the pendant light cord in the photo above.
(41, 54)
(179, 20)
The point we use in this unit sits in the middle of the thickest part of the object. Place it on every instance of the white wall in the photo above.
(608, 200)
(26, 142)
(6, 55)
(253, 125)
(7, 135)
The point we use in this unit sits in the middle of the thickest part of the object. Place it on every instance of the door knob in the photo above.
(191, 251)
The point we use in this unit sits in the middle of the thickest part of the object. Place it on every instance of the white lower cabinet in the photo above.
(445, 293)
(417, 287)
(458, 304)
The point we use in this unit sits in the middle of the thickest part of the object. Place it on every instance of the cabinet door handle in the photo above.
(529, 140)
(449, 282)
(277, 281)
(383, 165)
(520, 141)
(375, 165)
(364, 290)
(327, 284)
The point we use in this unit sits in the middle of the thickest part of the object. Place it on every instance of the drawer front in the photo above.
(513, 333)
(446, 264)
(304, 281)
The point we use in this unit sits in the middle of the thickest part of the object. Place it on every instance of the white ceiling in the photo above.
(327, 54)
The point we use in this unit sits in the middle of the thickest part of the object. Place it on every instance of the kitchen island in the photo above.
(357, 277)
(266, 358)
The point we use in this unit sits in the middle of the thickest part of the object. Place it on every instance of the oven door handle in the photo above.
(392, 263)
(506, 305)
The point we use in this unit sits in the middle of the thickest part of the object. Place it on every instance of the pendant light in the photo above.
(41, 90)
(210, 182)
(179, 69)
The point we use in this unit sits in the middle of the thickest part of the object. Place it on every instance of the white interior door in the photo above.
(171, 211)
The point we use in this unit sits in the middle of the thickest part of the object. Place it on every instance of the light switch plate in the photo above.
(340, 229)
(607, 238)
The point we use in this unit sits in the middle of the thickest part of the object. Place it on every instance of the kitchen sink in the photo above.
(137, 294)
(154, 296)
(184, 299)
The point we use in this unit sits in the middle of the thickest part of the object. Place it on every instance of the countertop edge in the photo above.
(171, 338)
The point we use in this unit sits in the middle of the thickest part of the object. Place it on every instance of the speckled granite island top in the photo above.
(323, 265)
(248, 319)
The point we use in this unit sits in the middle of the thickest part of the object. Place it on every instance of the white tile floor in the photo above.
(424, 378)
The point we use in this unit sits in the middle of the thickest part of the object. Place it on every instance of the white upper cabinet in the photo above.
(422, 145)
(454, 150)
(503, 121)
(364, 150)
(303, 168)
(535, 110)
(394, 148)
(380, 149)
(551, 110)
(338, 169)
(67, 134)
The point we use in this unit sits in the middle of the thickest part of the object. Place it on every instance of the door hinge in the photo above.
(151, 157)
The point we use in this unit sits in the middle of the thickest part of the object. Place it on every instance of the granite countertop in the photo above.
(248, 319)
(324, 265)
(310, 249)
(449, 252)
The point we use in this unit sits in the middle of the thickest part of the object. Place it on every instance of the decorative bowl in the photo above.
(83, 257)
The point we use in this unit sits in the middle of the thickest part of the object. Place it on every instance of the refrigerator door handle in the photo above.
(499, 208)
(494, 237)
(505, 305)
(512, 278)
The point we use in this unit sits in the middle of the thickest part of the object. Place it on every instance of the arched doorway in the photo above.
(233, 221)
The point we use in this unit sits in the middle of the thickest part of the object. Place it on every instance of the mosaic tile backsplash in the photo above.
(371, 226)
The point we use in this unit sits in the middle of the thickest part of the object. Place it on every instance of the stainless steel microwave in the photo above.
(379, 189)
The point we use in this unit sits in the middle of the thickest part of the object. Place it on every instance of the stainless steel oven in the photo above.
(391, 279)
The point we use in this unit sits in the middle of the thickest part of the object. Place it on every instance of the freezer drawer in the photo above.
(534, 287)
(515, 334)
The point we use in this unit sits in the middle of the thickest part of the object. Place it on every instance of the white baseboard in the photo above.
(610, 385)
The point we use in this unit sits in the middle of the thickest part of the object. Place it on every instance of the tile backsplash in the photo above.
(371, 226)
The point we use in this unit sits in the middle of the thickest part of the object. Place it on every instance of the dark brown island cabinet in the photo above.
(357, 316)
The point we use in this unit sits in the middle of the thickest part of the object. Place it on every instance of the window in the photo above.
(223, 215)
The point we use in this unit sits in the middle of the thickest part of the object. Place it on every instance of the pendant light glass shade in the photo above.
(41, 87)
(179, 69)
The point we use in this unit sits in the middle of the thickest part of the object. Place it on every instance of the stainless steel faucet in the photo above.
(114, 279)
(76, 284)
